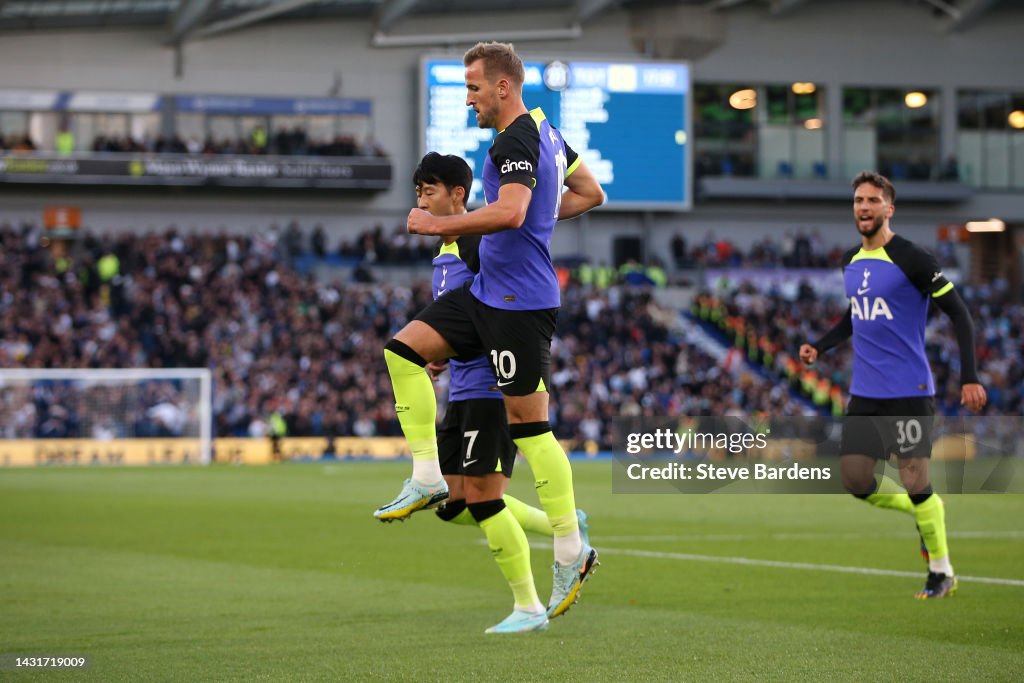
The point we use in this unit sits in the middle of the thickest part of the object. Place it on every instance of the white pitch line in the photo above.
(776, 564)
(689, 557)
(797, 536)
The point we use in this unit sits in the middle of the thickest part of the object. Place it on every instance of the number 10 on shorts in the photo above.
(504, 363)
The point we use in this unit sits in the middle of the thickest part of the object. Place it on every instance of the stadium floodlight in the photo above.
(110, 406)
(991, 225)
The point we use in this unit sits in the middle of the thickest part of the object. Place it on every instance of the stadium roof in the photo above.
(187, 19)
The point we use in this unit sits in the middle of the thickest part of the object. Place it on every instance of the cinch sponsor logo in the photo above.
(510, 166)
(869, 308)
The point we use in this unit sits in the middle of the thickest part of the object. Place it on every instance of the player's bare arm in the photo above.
(582, 193)
(508, 213)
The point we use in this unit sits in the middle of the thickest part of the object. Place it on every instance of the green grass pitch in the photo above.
(280, 573)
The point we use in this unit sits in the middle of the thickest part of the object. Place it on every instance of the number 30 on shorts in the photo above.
(504, 363)
(908, 434)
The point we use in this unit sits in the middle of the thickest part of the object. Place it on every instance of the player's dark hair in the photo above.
(879, 181)
(500, 59)
(448, 169)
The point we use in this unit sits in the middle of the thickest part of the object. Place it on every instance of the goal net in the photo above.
(126, 416)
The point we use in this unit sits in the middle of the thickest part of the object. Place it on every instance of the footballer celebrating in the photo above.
(532, 179)
(475, 450)
(890, 281)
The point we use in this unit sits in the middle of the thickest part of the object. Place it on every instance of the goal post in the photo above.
(139, 414)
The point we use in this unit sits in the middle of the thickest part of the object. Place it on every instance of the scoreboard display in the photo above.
(629, 121)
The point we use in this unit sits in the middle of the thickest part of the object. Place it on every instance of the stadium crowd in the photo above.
(291, 354)
(16, 143)
(294, 142)
(799, 248)
(284, 142)
(280, 343)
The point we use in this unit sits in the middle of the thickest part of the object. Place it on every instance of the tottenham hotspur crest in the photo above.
(444, 278)
(864, 285)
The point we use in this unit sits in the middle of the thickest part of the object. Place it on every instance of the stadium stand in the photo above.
(283, 344)
(288, 143)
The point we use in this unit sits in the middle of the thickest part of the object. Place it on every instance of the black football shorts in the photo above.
(473, 438)
(881, 427)
(518, 343)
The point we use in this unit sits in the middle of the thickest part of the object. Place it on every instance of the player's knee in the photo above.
(451, 510)
(859, 484)
(486, 509)
(524, 430)
(483, 488)
(404, 351)
(918, 497)
(526, 409)
(914, 475)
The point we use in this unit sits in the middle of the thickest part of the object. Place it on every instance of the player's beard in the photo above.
(488, 115)
(484, 120)
(876, 225)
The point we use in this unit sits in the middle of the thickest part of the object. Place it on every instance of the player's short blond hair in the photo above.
(500, 59)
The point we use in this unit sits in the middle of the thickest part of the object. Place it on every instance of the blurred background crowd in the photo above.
(298, 353)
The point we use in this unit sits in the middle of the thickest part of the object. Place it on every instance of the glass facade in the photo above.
(990, 139)
(895, 131)
(763, 131)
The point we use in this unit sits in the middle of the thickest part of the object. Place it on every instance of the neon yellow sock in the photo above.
(552, 478)
(416, 407)
(512, 553)
(533, 520)
(931, 522)
(891, 496)
(464, 518)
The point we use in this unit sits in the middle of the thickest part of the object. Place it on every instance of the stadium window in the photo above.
(857, 107)
(102, 131)
(288, 135)
(253, 135)
(187, 126)
(13, 128)
(145, 129)
(223, 131)
(791, 136)
(968, 110)
(725, 137)
(322, 130)
(777, 110)
(768, 131)
(990, 149)
(1016, 120)
(883, 128)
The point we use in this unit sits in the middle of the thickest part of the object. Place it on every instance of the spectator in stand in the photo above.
(232, 304)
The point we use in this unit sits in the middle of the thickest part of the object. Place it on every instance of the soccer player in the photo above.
(889, 281)
(532, 178)
(475, 450)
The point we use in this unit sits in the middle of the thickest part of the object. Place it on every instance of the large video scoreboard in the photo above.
(630, 121)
